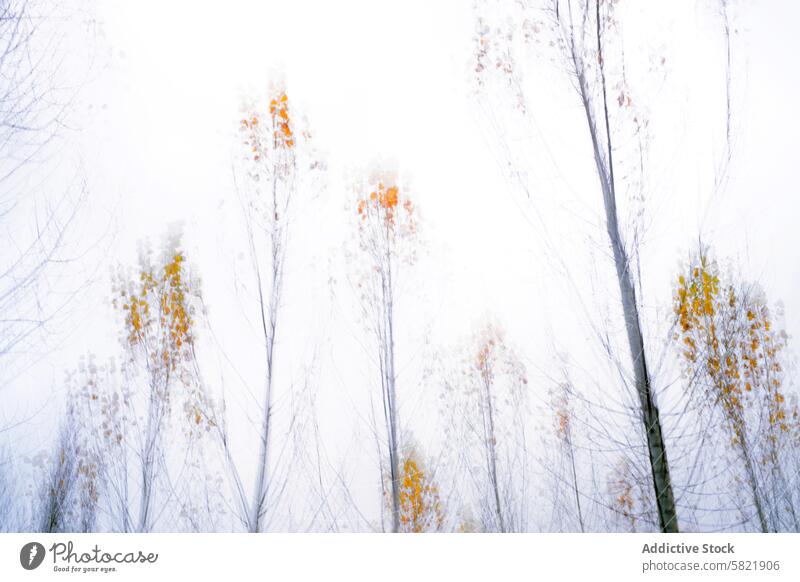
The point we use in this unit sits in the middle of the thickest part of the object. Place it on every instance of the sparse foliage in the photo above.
(158, 306)
(386, 243)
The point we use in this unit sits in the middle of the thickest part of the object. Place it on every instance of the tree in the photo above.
(158, 307)
(70, 488)
(58, 486)
(564, 419)
(38, 215)
(277, 175)
(486, 398)
(387, 237)
(731, 353)
(36, 219)
(581, 32)
(584, 40)
(6, 494)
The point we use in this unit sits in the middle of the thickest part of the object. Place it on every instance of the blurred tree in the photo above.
(158, 305)
(386, 242)
(731, 353)
(588, 38)
(36, 217)
(278, 173)
(564, 420)
(486, 401)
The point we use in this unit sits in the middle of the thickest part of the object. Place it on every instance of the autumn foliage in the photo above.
(386, 206)
(156, 311)
(728, 338)
(159, 304)
(732, 353)
(281, 129)
(279, 134)
(629, 496)
(420, 505)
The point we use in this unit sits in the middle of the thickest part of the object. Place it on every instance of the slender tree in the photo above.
(37, 217)
(582, 32)
(584, 28)
(277, 176)
(7, 508)
(387, 229)
(70, 481)
(158, 307)
(486, 398)
(564, 420)
(58, 486)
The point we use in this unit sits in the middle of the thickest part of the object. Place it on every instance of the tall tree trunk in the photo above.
(603, 157)
(752, 480)
(152, 433)
(269, 325)
(571, 452)
(391, 391)
(491, 451)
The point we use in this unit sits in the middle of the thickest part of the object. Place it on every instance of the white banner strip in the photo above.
(354, 557)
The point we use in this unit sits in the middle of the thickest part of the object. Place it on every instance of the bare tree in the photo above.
(582, 31)
(37, 214)
(6, 493)
(57, 488)
(485, 394)
(584, 27)
(565, 432)
(68, 499)
(35, 220)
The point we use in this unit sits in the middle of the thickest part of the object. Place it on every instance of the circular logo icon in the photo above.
(31, 555)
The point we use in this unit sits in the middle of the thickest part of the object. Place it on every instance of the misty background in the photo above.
(153, 139)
